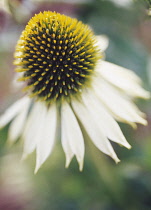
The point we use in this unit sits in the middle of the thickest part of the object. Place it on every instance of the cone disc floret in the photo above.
(56, 55)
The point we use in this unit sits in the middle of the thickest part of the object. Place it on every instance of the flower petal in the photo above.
(102, 42)
(109, 126)
(46, 143)
(33, 128)
(119, 106)
(122, 78)
(18, 123)
(15, 84)
(94, 130)
(66, 146)
(73, 134)
(12, 111)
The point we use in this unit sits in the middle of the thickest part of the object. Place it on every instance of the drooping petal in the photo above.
(13, 110)
(66, 146)
(122, 108)
(109, 126)
(46, 143)
(122, 78)
(33, 128)
(74, 142)
(94, 130)
(18, 123)
(102, 42)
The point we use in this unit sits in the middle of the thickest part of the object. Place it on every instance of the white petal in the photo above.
(15, 84)
(122, 78)
(120, 107)
(18, 123)
(46, 143)
(73, 134)
(106, 69)
(66, 146)
(94, 130)
(102, 42)
(33, 127)
(12, 111)
(110, 127)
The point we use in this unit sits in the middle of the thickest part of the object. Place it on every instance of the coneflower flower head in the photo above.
(57, 55)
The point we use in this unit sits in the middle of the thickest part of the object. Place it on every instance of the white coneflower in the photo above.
(67, 82)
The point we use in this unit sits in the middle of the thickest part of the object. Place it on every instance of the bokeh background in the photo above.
(102, 185)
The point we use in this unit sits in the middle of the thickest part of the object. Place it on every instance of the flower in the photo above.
(68, 83)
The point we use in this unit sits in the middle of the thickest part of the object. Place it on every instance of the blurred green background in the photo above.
(102, 185)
